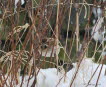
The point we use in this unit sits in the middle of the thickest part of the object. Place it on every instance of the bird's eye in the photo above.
(44, 40)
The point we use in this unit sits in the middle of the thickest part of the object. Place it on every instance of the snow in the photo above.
(98, 37)
(97, 31)
(16, 2)
(97, 11)
(22, 2)
(87, 68)
(52, 78)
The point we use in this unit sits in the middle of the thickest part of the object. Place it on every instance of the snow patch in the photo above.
(52, 78)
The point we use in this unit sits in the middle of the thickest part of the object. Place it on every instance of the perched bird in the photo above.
(48, 48)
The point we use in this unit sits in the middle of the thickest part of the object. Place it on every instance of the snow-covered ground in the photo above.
(50, 78)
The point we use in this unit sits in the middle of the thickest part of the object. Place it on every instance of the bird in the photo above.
(48, 48)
